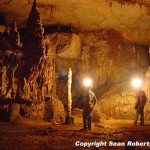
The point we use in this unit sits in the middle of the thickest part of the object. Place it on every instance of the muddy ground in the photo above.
(27, 135)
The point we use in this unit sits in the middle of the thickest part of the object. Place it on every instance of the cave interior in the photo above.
(42, 41)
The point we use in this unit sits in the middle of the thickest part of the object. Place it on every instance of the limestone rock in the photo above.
(2, 28)
(34, 46)
(77, 112)
(54, 110)
(15, 112)
(96, 114)
(120, 15)
(71, 51)
(106, 57)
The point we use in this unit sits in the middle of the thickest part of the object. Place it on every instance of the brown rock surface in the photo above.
(123, 16)
(105, 55)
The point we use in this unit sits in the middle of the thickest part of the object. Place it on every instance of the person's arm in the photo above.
(84, 99)
(137, 99)
(95, 99)
(136, 103)
(143, 100)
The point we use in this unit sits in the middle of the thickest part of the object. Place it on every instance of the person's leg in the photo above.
(90, 118)
(85, 120)
(89, 122)
(141, 117)
(136, 117)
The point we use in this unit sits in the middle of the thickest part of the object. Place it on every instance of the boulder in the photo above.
(54, 110)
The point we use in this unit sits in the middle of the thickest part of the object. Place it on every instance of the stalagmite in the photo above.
(69, 91)
(69, 119)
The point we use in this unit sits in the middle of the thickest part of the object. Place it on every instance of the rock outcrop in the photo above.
(130, 17)
(105, 56)
(28, 72)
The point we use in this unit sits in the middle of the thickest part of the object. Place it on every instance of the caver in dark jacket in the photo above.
(139, 107)
(89, 102)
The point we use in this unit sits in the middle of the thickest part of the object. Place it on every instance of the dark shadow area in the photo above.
(22, 111)
(58, 29)
(4, 115)
(51, 29)
(2, 20)
(12, 101)
(6, 106)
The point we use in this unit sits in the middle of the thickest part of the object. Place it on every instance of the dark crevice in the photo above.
(53, 29)
(58, 28)
(2, 20)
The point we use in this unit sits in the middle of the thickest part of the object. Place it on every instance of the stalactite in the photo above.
(52, 9)
(7, 32)
(133, 2)
(32, 78)
(110, 5)
(4, 80)
(34, 46)
(141, 4)
(5, 2)
(15, 36)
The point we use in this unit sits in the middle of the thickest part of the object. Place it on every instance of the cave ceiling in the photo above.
(130, 17)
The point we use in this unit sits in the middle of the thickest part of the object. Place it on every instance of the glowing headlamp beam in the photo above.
(87, 82)
(137, 83)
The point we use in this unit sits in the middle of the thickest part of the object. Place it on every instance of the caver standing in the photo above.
(89, 102)
(139, 107)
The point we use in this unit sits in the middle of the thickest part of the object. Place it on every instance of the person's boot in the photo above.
(84, 129)
(85, 124)
(142, 123)
(135, 124)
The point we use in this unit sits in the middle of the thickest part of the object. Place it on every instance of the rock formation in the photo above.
(27, 73)
(34, 74)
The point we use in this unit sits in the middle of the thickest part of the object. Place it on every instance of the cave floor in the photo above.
(50, 136)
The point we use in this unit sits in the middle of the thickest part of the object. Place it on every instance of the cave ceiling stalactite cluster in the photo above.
(125, 16)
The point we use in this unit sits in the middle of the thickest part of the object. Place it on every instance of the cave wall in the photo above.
(119, 101)
(27, 73)
(20, 97)
(34, 73)
(109, 59)
(104, 55)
